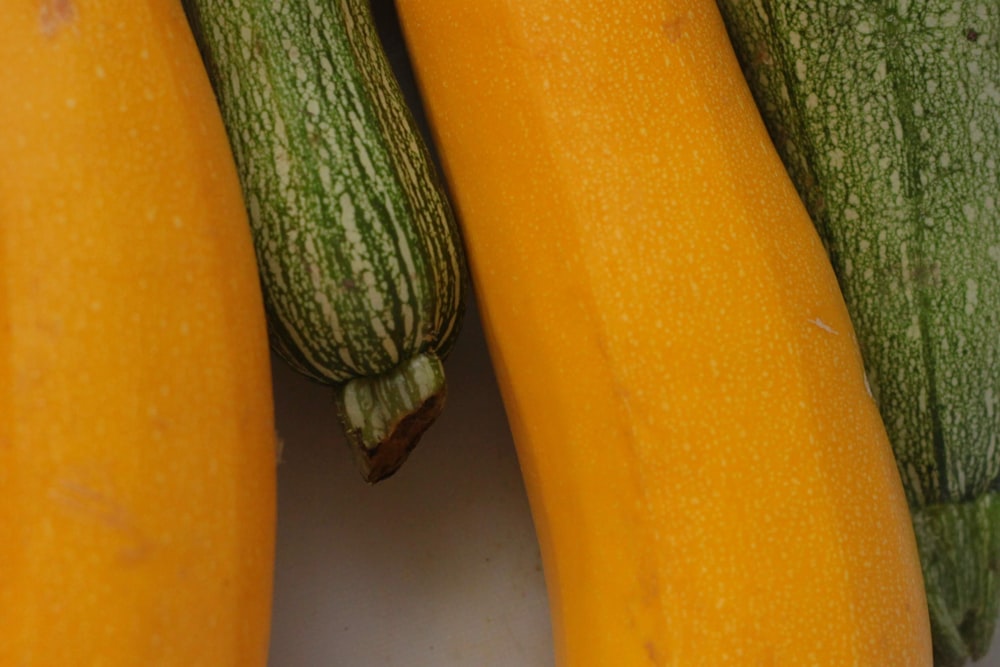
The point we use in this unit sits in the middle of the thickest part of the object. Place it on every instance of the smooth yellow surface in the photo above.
(709, 477)
(137, 480)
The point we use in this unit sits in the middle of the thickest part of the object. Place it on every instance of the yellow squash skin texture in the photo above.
(137, 446)
(709, 478)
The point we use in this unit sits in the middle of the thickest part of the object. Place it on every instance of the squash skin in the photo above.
(710, 480)
(137, 444)
(888, 120)
(360, 258)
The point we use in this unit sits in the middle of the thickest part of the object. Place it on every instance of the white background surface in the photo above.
(435, 567)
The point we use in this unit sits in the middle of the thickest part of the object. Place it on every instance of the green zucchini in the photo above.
(887, 115)
(359, 254)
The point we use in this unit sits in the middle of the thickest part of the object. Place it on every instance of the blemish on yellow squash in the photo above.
(137, 481)
(710, 480)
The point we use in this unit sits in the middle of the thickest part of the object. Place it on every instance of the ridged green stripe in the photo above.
(412, 161)
(358, 252)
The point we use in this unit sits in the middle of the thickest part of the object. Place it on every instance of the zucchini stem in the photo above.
(384, 416)
(960, 552)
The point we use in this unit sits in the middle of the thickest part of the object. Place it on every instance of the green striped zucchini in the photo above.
(358, 251)
(887, 115)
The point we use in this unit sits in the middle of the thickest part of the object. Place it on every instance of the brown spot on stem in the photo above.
(53, 15)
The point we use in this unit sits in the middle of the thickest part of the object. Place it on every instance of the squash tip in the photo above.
(385, 416)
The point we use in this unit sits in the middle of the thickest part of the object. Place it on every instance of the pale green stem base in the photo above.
(960, 554)
(385, 416)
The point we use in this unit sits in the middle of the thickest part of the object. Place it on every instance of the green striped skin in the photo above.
(887, 115)
(358, 251)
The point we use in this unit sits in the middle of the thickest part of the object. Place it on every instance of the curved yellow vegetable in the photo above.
(137, 480)
(710, 480)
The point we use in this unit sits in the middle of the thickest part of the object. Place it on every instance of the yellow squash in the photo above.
(710, 480)
(137, 481)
